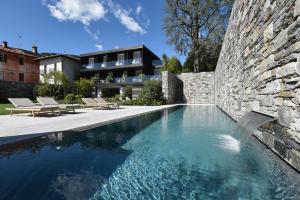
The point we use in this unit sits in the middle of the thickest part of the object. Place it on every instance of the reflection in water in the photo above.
(66, 165)
(73, 186)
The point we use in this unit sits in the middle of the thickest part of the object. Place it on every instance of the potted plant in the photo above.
(142, 77)
(124, 76)
(109, 77)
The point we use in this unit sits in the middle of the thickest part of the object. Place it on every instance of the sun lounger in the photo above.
(26, 105)
(112, 104)
(92, 103)
(48, 101)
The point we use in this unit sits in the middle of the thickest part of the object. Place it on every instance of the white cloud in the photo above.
(116, 46)
(123, 16)
(99, 46)
(138, 10)
(84, 11)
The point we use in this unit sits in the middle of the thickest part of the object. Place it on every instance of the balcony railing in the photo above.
(103, 65)
(133, 79)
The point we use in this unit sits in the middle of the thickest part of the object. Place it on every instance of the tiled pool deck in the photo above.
(22, 124)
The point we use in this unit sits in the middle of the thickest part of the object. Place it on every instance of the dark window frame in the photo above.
(23, 77)
(3, 58)
(21, 60)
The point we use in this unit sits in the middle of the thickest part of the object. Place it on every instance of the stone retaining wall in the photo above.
(191, 88)
(259, 69)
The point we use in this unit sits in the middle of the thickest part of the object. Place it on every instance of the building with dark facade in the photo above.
(114, 69)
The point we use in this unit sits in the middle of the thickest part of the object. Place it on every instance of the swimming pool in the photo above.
(188, 152)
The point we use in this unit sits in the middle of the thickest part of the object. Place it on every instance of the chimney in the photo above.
(4, 44)
(34, 49)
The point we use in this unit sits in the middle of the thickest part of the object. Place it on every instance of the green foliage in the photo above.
(2, 108)
(110, 77)
(174, 65)
(127, 92)
(57, 88)
(73, 99)
(114, 99)
(188, 65)
(83, 87)
(58, 78)
(142, 77)
(171, 64)
(124, 76)
(151, 95)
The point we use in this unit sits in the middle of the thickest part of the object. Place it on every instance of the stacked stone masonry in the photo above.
(190, 88)
(259, 68)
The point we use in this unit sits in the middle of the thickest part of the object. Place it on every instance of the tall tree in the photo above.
(194, 26)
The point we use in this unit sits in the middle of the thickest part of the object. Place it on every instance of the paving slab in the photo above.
(22, 124)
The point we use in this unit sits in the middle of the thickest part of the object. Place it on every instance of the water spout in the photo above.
(253, 120)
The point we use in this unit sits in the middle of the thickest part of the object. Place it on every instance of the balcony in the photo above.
(113, 64)
(131, 79)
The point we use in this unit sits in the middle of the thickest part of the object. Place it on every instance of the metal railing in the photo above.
(136, 61)
(133, 79)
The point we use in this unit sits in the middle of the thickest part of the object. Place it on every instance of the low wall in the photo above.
(190, 88)
(259, 68)
(15, 89)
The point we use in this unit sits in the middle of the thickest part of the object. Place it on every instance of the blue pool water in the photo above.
(190, 152)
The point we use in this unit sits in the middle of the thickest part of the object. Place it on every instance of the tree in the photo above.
(193, 26)
(171, 64)
(83, 87)
(174, 65)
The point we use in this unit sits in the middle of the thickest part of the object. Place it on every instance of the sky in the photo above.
(81, 26)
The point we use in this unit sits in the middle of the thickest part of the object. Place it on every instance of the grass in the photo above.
(2, 108)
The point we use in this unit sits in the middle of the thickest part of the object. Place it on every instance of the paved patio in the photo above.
(22, 124)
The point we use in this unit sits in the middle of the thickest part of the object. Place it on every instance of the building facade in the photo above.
(68, 64)
(114, 69)
(18, 64)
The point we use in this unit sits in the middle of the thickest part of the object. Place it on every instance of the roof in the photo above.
(113, 50)
(18, 51)
(73, 57)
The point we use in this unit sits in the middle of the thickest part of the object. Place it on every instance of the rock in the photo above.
(297, 8)
(284, 116)
(268, 33)
(298, 65)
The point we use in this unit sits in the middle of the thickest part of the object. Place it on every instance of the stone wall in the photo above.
(198, 88)
(190, 88)
(15, 89)
(259, 69)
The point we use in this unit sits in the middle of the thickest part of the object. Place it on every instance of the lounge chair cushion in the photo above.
(21, 102)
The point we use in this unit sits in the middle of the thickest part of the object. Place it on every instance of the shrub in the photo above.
(127, 92)
(109, 78)
(73, 99)
(45, 89)
(151, 95)
(115, 98)
(83, 87)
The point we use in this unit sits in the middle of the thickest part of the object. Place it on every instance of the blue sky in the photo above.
(80, 26)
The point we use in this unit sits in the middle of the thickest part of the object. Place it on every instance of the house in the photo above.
(68, 64)
(18, 64)
(117, 68)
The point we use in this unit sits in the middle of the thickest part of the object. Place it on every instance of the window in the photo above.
(51, 68)
(91, 62)
(21, 60)
(3, 57)
(43, 69)
(21, 77)
(1, 76)
(137, 57)
(121, 59)
(104, 64)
